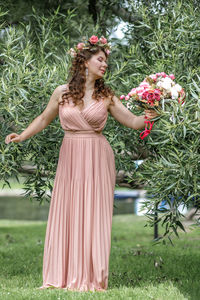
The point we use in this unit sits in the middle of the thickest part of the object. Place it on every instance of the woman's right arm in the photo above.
(42, 121)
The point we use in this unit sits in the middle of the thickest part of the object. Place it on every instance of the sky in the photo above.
(118, 31)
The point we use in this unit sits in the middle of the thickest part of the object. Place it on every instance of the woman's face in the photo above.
(97, 65)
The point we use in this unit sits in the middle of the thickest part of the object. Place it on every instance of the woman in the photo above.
(78, 234)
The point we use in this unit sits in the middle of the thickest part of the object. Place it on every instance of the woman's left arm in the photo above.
(127, 118)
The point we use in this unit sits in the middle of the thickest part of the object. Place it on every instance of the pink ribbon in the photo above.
(146, 132)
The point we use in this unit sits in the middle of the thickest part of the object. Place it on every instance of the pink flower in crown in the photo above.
(127, 97)
(80, 46)
(103, 40)
(122, 97)
(72, 52)
(94, 39)
(107, 51)
(172, 76)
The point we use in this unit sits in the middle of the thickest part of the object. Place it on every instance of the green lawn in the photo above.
(133, 274)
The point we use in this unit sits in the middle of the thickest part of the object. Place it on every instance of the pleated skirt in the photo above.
(78, 233)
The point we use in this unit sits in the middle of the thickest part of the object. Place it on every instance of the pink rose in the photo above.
(172, 76)
(133, 90)
(154, 77)
(139, 91)
(127, 98)
(103, 40)
(107, 51)
(144, 84)
(80, 46)
(150, 96)
(144, 95)
(158, 74)
(157, 95)
(94, 39)
(163, 74)
(122, 97)
(157, 92)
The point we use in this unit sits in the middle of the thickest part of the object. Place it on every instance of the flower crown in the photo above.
(86, 44)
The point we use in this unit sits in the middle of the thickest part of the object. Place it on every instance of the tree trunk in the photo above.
(92, 8)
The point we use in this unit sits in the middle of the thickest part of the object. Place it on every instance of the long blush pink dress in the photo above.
(78, 233)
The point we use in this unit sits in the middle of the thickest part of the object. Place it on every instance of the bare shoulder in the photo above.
(61, 89)
(107, 101)
(58, 92)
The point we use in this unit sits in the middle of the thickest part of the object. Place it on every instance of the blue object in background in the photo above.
(138, 162)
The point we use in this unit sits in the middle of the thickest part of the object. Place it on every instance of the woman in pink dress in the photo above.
(78, 233)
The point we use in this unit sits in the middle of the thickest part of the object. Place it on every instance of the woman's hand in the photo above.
(13, 137)
(151, 114)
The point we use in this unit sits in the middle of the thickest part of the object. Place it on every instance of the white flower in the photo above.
(178, 87)
(128, 105)
(168, 79)
(174, 93)
(167, 83)
(159, 84)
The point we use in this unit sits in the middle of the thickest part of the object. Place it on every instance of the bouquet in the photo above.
(152, 93)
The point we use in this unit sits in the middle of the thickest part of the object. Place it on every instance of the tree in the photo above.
(169, 42)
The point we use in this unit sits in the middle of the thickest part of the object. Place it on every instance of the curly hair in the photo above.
(76, 86)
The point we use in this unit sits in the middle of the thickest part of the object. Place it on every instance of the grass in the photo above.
(133, 274)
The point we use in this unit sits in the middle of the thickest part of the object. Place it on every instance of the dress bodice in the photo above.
(93, 117)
